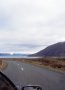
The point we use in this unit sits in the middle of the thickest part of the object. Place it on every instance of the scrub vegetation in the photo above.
(57, 64)
(3, 64)
(51, 63)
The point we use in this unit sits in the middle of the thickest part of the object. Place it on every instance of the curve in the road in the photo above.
(24, 74)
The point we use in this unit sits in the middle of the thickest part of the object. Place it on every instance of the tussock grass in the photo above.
(46, 62)
(3, 65)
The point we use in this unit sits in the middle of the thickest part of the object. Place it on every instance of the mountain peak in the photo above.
(55, 50)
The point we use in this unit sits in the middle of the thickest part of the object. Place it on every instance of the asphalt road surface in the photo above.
(24, 74)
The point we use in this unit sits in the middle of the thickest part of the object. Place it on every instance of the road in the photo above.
(24, 74)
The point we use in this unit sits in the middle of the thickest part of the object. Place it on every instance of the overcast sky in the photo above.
(30, 25)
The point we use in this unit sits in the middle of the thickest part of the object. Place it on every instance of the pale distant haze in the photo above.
(27, 26)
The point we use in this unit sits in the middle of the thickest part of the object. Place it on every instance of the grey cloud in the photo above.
(31, 24)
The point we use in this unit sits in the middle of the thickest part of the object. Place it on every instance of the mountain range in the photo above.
(55, 50)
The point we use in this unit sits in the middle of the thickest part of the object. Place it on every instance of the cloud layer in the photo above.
(30, 25)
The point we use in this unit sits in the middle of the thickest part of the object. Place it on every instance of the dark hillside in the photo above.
(55, 50)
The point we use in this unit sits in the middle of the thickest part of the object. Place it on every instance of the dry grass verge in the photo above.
(50, 63)
(57, 64)
(3, 66)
